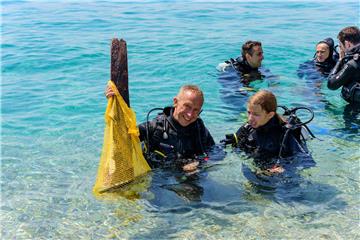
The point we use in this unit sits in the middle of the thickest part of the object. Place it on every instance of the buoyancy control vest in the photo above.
(276, 139)
(241, 65)
(167, 143)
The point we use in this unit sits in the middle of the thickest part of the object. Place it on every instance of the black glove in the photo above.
(229, 139)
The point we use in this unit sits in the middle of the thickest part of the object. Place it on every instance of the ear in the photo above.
(347, 44)
(271, 115)
(175, 101)
(247, 56)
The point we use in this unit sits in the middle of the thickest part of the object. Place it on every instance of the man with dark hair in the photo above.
(346, 73)
(239, 78)
(249, 62)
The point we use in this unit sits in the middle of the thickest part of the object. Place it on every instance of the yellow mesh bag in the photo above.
(121, 159)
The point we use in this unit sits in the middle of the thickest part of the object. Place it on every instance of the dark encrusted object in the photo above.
(119, 68)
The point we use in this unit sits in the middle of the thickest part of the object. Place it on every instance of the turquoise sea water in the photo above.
(55, 64)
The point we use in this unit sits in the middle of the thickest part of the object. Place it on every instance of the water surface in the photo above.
(55, 64)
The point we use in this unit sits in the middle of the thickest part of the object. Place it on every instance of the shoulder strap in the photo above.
(356, 57)
(354, 61)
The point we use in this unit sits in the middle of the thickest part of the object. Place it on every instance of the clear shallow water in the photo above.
(55, 64)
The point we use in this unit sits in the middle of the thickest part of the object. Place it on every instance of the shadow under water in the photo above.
(171, 190)
(315, 97)
(236, 88)
(289, 187)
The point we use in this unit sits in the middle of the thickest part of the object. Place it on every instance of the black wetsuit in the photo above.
(326, 66)
(315, 70)
(264, 143)
(247, 72)
(312, 68)
(170, 144)
(346, 73)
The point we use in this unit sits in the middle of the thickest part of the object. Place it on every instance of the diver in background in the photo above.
(177, 137)
(346, 73)
(237, 75)
(248, 64)
(322, 63)
(315, 71)
(266, 136)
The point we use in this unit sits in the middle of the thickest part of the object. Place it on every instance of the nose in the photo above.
(250, 117)
(190, 113)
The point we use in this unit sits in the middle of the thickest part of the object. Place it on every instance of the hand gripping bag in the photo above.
(121, 159)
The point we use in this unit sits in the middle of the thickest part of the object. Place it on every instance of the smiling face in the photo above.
(187, 107)
(256, 57)
(322, 52)
(257, 116)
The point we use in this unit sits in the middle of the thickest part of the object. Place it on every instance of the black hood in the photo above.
(331, 44)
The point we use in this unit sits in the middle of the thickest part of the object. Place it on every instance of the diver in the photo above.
(266, 136)
(323, 61)
(346, 73)
(177, 137)
(242, 77)
(248, 64)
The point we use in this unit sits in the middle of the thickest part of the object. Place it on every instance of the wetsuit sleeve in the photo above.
(242, 135)
(341, 74)
(303, 67)
(206, 137)
(209, 139)
(142, 129)
(300, 71)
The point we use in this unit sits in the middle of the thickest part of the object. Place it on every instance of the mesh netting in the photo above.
(121, 159)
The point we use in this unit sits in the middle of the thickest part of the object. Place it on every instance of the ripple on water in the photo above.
(55, 65)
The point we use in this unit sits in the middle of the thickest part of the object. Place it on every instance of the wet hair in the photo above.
(192, 88)
(248, 47)
(351, 34)
(265, 99)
